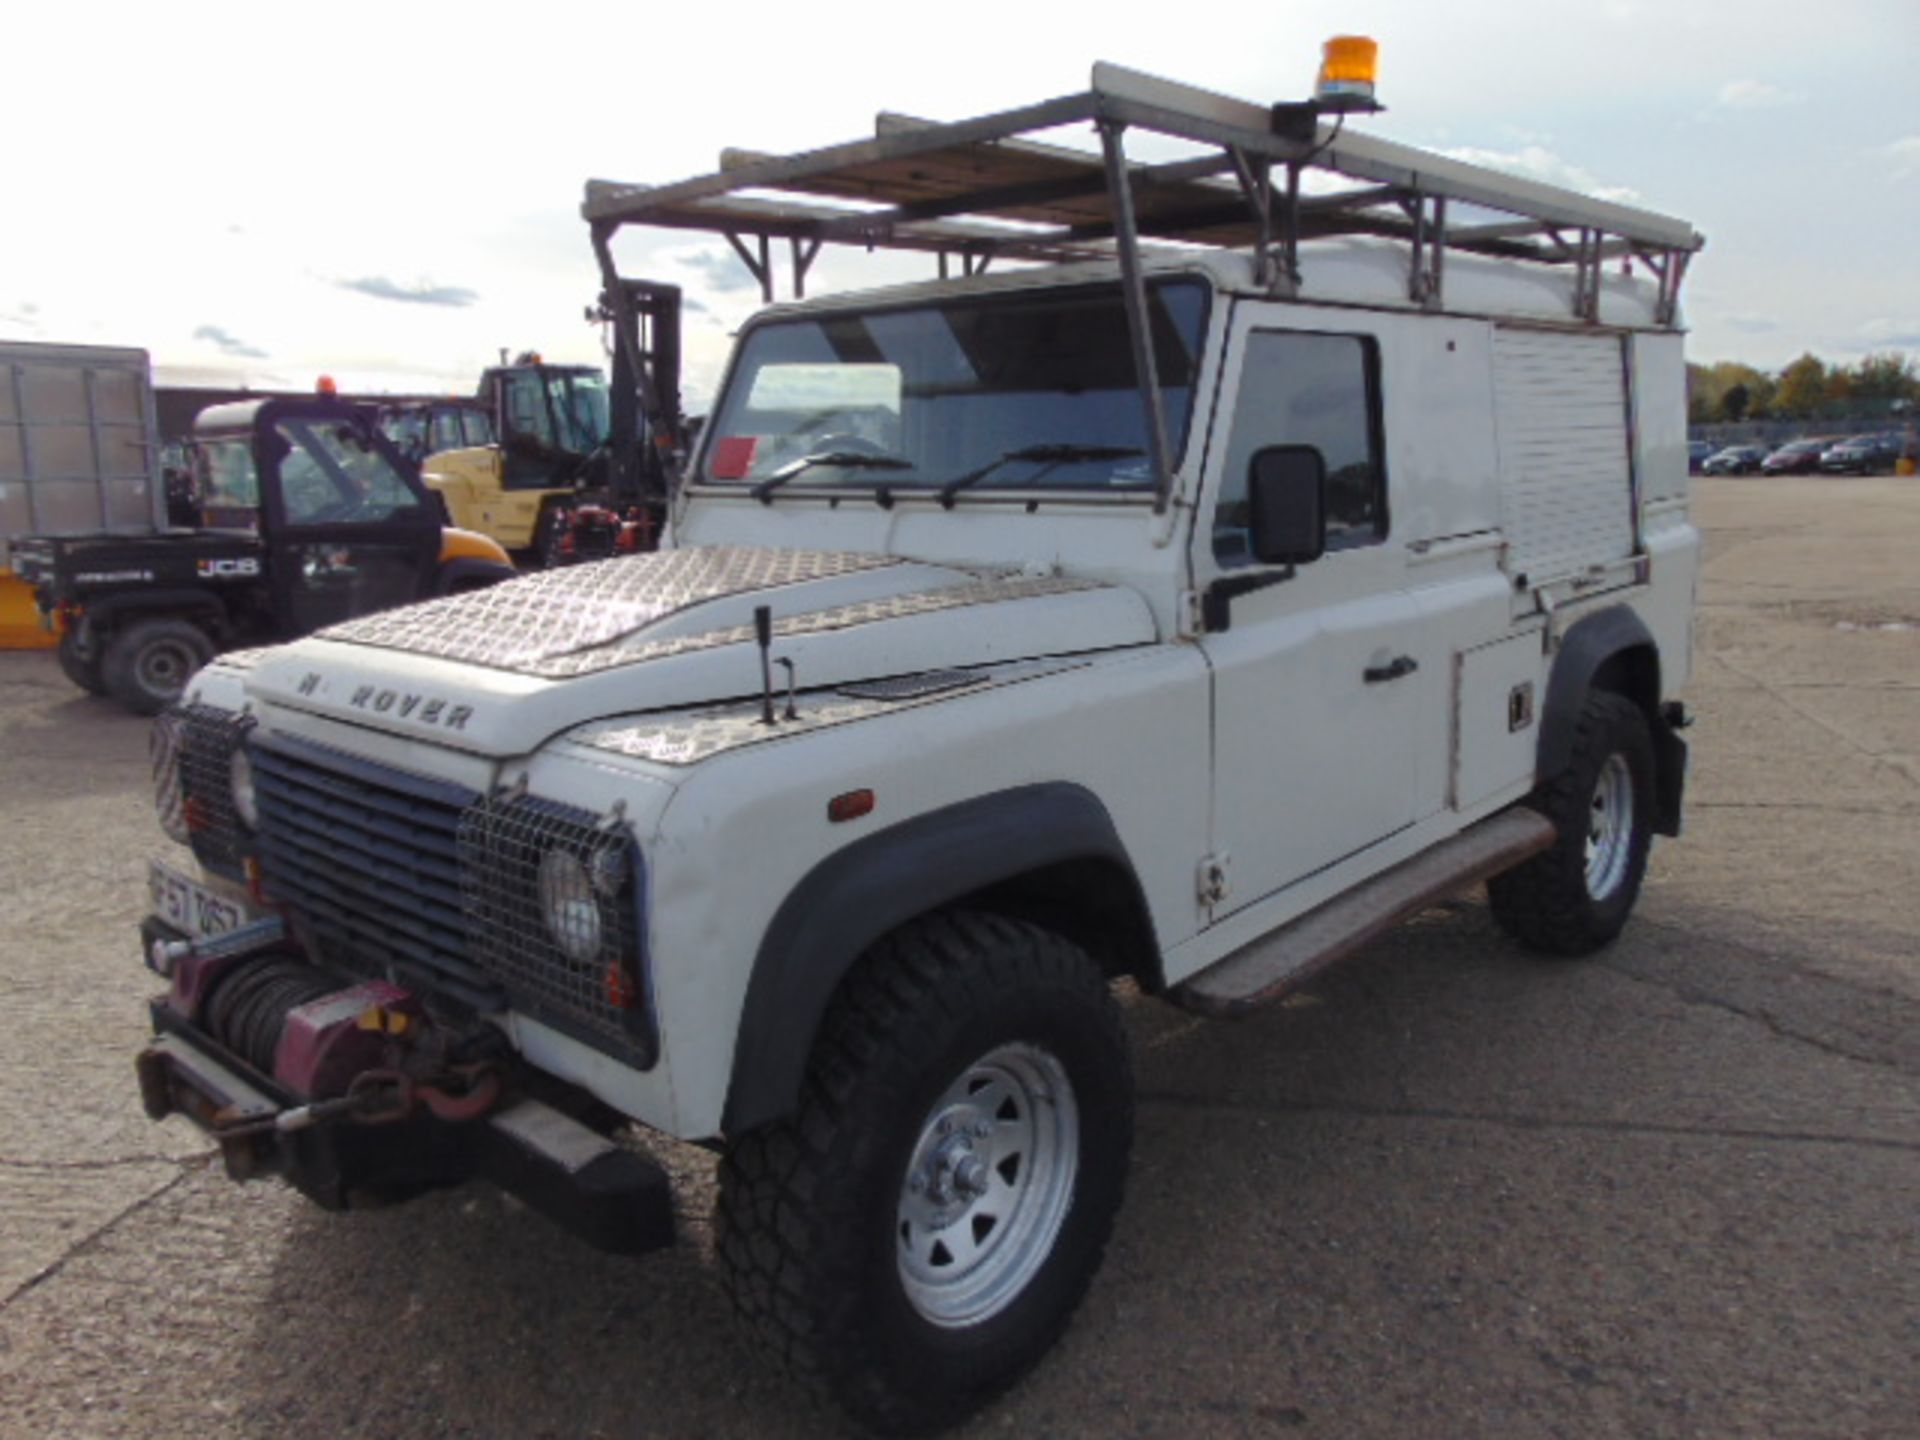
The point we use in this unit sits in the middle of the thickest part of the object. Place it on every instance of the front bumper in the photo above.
(616, 1200)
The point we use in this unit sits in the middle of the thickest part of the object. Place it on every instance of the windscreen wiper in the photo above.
(848, 459)
(1047, 454)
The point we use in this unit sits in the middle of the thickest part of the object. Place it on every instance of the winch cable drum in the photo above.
(248, 1008)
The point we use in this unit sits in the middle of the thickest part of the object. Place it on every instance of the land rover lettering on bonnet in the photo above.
(1176, 609)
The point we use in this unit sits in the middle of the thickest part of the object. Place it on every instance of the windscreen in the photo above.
(1029, 389)
(580, 409)
(334, 474)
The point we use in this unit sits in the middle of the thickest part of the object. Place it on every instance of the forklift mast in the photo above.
(647, 427)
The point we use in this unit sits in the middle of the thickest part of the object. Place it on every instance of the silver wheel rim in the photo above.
(1609, 828)
(164, 668)
(988, 1187)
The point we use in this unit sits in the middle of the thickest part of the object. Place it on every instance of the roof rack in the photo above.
(976, 190)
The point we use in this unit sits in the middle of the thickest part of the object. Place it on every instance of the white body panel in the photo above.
(1261, 743)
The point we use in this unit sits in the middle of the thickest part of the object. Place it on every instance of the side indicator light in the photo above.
(850, 806)
(618, 986)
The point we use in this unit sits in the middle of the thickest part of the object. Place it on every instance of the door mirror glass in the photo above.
(1287, 487)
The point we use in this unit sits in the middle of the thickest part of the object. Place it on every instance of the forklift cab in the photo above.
(554, 419)
(345, 526)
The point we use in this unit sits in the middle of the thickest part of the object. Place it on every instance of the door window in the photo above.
(1306, 389)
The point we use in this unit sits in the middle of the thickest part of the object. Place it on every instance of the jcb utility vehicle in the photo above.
(1182, 613)
(307, 517)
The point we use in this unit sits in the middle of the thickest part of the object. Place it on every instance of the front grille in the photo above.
(507, 844)
(369, 860)
(439, 886)
(206, 738)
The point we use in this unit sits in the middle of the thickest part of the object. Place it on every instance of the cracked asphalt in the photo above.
(1673, 1190)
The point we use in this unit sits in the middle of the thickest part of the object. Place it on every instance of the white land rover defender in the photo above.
(1246, 567)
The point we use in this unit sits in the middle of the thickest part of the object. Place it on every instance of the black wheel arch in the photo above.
(108, 613)
(468, 572)
(1613, 650)
(1048, 853)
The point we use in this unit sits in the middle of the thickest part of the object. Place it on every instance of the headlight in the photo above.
(240, 783)
(163, 750)
(569, 905)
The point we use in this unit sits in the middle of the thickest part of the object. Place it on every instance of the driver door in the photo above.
(351, 534)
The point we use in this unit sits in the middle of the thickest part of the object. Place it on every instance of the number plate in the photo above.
(194, 907)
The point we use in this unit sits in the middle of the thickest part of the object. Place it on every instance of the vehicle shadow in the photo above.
(1425, 1179)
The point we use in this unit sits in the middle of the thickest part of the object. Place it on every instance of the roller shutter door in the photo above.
(1566, 485)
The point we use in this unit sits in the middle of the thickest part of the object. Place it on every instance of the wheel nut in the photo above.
(982, 1129)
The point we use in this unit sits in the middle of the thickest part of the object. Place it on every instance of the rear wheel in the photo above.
(81, 664)
(1575, 897)
(920, 1232)
(147, 665)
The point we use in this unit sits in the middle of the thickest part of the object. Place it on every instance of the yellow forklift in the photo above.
(577, 466)
(552, 424)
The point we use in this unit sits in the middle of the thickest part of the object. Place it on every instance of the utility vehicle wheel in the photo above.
(920, 1232)
(1572, 899)
(83, 669)
(148, 664)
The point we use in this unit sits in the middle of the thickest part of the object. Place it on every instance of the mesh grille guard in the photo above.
(202, 741)
(440, 888)
(507, 842)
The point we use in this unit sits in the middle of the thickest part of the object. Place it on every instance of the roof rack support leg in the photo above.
(1255, 173)
(1293, 223)
(761, 268)
(1134, 291)
(804, 254)
(1586, 276)
(1429, 219)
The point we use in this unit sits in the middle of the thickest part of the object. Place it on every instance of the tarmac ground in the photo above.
(1451, 1190)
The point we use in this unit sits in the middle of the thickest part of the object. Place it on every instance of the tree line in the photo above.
(1807, 389)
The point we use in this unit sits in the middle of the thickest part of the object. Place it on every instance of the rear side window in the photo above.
(1318, 390)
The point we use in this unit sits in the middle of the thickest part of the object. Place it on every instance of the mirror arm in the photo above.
(1216, 603)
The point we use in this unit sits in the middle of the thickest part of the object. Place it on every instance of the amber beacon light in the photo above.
(1348, 64)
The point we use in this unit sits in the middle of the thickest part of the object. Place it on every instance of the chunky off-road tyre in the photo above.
(82, 668)
(147, 665)
(921, 1230)
(1573, 898)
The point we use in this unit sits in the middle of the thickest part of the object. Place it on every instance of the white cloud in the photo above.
(1755, 95)
(1536, 162)
(1884, 332)
(1906, 157)
(1752, 324)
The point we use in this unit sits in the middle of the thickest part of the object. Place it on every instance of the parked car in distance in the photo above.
(1796, 457)
(1697, 453)
(1860, 455)
(1735, 460)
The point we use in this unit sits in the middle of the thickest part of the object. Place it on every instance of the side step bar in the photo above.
(1275, 965)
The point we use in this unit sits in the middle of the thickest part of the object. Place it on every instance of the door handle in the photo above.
(1392, 670)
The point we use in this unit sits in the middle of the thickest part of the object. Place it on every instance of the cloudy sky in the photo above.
(390, 192)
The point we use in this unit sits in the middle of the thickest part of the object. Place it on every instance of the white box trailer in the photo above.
(79, 449)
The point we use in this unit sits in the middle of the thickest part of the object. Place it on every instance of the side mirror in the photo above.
(1287, 490)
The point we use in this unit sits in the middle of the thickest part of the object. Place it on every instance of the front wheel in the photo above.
(918, 1234)
(1573, 898)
